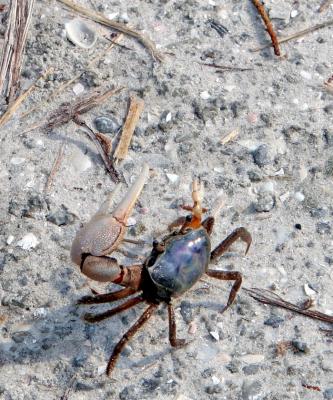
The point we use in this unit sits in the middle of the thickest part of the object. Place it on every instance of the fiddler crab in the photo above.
(174, 265)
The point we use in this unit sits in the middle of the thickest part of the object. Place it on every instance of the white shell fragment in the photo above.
(173, 178)
(215, 335)
(308, 291)
(29, 241)
(10, 239)
(80, 34)
(78, 88)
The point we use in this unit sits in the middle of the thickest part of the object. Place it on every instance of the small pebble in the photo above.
(80, 162)
(328, 394)
(106, 125)
(211, 389)
(305, 75)
(323, 228)
(251, 390)
(265, 202)
(78, 88)
(301, 347)
(17, 160)
(298, 226)
(28, 242)
(61, 217)
(10, 239)
(274, 321)
(261, 156)
(293, 13)
(205, 95)
(299, 196)
(308, 291)
(251, 369)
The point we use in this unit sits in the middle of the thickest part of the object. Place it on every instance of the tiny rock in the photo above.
(78, 88)
(29, 241)
(215, 335)
(173, 178)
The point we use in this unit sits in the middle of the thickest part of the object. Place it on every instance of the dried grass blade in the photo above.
(55, 168)
(230, 136)
(267, 297)
(100, 18)
(134, 112)
(297, 34)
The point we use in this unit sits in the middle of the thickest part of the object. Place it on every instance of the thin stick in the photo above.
(134, 112)
(297, 34)
(64, 86)
(325, 5)
(100, 18)
(269, 26)
(105, 157)
(230, 136)
(267, 297)
(55, 168)
(20, 99)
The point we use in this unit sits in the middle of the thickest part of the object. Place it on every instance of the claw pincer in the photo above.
(103, 234)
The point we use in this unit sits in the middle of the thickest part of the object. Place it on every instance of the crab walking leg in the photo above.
(107, 314)
(172, 329)
(125, 207)
(228, 276)
(131, 332)
(107, 297)
(208, 224)
(239, 233)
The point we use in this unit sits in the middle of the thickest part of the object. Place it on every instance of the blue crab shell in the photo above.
(183, 262)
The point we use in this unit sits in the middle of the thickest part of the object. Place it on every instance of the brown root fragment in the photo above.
(100, 147)
(268, 297)
(134, 112)
(269, 26)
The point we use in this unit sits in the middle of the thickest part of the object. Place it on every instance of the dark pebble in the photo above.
(186, 311)
(301, 347)
(318, 212)
(61, 217)
(251, 369)
(261, 156)
(254, 176)
(130, 392)
(150, 385)
(84, 386)
(298, 226)
(211, 389)
(233, 367)
(328, 137)
(274, 321)
(208, 372)
(106, 125)
(19, 337)
(323, 228)
(328, 394)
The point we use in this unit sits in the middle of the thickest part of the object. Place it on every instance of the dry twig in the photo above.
(226, 68)
(101, 149)
(19, 100)
(15, 38)
(268, 297)
(135, 109)
(325, 5)
(297, 34)
(269, 26)
(55, 168)
(100, 18)
(230, 136)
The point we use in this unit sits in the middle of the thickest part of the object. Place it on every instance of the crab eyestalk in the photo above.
(197, 209)
(125, 207)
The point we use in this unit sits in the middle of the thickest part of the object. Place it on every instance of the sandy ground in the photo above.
(275, 178)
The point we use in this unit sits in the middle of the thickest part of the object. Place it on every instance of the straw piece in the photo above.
(135, 109)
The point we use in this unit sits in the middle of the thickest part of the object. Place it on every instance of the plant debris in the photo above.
(297, 34)
(15, 39)
(55, 168)
(100, 147)
(269, 26)
(268, 297)
(134, 112)
(100, 18)
(219, 28)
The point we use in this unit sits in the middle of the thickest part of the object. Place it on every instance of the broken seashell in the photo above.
(80, 34)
